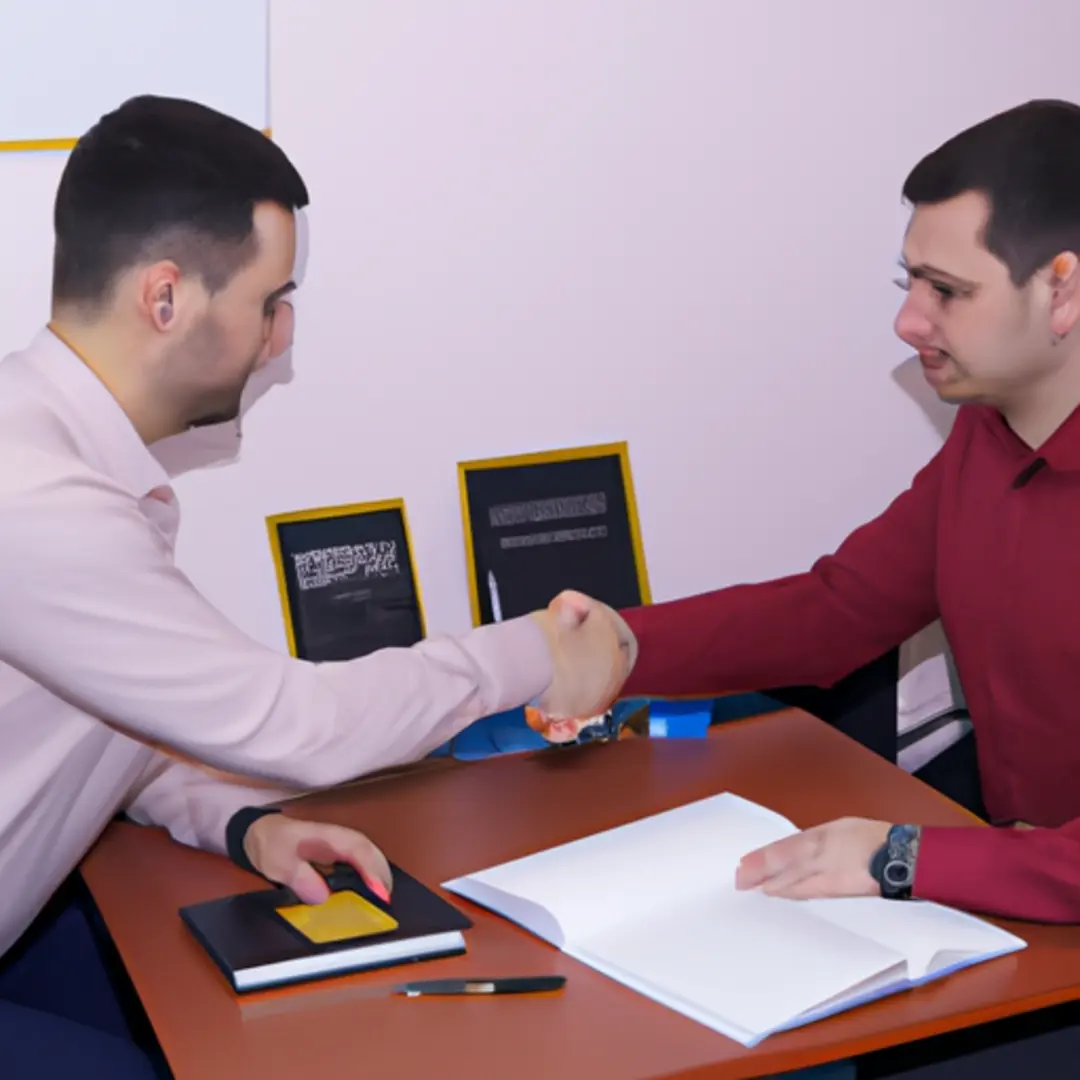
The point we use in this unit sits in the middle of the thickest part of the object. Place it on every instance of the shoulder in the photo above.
(40, 457)
(48, 493)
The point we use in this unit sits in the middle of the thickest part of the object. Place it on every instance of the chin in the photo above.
(962, 394)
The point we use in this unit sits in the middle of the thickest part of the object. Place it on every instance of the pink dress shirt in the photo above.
(113, 667)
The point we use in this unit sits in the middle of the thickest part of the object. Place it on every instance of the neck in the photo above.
(1042, 408)
(115, 359)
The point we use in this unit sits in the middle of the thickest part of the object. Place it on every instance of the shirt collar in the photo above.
(1060, 452)
(105, 435)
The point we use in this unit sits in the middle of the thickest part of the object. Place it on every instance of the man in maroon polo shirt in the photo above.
(987, 537)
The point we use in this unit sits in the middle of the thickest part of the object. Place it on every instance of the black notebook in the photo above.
(266, 938)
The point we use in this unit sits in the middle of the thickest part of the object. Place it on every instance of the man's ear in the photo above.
(157, 294)
(281, 337)
(1064, 294)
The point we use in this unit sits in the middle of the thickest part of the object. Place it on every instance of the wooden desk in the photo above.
(454, 819)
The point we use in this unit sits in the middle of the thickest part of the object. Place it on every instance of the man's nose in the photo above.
(913, 325)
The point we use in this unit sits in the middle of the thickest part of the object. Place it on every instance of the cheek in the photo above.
(983, 341)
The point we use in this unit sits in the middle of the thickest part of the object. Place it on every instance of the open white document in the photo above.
(653, 905)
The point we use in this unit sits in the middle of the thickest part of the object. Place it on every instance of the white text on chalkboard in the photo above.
(555, 536)
(567, 506)
(331, 565)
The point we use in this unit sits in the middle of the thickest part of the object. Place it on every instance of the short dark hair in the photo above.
(164, 178)
(1026, 161)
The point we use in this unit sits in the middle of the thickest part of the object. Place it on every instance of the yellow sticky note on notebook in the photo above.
(345, 915)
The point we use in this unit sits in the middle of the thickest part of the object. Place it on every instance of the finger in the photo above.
(767, 862)
(626, 637)
(752, 871)
(803, 883)
(369, 861)
(308, 884)
(563, 730)
(335, 843)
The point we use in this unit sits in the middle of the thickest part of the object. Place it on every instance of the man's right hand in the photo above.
(593, 652)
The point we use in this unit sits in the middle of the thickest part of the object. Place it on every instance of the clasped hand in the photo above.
(593, 652)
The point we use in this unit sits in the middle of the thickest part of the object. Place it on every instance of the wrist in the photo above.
(542, 620)
(893, 865)
(238, 833)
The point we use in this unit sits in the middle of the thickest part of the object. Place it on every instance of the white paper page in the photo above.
(754, 961)
(890, 981)
(919, 930)
(624, 874)
(527, 913)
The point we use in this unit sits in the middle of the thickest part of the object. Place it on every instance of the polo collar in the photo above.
(1061, 452)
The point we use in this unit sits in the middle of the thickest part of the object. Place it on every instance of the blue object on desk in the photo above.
(679, 719)
(508, 733)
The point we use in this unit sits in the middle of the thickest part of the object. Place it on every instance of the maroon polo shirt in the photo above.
(987, 537)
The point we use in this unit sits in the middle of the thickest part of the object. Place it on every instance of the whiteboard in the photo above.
(63, 63)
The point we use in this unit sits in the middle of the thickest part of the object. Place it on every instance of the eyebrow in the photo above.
(926, 271)
(281, 291)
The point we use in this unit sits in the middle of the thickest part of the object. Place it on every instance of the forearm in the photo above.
(809, 629)
(111, 625)
(296, 724)
(196, 804)
(1031, 874)
(792, 632)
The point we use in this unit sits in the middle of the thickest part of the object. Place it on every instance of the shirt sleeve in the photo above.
(809, 629)
(194, 803)
(1030, 874)
(95, 610)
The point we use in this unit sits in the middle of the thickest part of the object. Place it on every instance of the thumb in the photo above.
(570, 609)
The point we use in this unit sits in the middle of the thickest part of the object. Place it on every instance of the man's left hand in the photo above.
(286, 850)
(827, 861)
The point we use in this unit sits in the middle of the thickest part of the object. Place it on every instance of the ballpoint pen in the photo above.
(349, 992)
(524, 984)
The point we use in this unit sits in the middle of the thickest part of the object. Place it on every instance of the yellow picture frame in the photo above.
(29, 146)
(325, 513)
(621, 450)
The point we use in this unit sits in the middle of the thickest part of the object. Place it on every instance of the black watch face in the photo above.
(897, 875)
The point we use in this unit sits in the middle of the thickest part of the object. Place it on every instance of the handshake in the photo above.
(593, 652)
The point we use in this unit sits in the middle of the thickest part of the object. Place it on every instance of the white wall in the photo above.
(81, 62)
(558, 222)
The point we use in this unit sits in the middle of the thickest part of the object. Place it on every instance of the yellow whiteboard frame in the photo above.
(621, 450)
(13, 146)
(326, 513)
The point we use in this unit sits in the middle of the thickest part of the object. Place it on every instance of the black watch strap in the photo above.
(893, 864)
(237, 829)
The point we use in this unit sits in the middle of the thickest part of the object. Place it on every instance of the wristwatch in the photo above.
(893, 864)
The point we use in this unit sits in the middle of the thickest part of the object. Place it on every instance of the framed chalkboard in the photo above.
(347, 581)
(536, 524)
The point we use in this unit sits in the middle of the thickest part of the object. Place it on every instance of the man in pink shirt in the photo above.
(122, 690)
